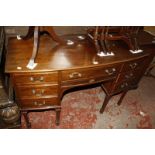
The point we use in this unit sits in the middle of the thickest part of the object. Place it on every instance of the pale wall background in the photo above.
(150, 29)
(61, 30)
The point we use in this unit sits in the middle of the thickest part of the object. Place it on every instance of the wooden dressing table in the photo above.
(62, 67)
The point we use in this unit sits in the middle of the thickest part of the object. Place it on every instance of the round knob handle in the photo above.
(124, 85)
(32, 79)
(133, 65)
(128, 76)
(110, 71)
(91, 80)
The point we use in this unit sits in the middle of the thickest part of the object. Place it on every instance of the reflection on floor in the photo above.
(80, 109)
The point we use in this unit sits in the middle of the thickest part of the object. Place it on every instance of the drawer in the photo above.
(128, 76)
(135, 64)
(125, 85)
(91, 72)
(35, 91)
(38, 103)
(92, 80)
(35, 78)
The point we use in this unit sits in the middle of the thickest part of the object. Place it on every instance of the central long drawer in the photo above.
(88, 73)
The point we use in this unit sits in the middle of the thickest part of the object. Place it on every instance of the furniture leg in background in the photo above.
(58, 110)
(149, 70)
(25, 114)
(121, 98)
(108, 97)
(106, 100)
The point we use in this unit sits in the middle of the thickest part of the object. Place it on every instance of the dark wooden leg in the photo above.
(148, 72)
(10, 92)
(29, 33)
(121, 98)
(103, 40)
(96, 42)
(50, 31)
(25, 114)
(35, 43)
(106, 100)
(58, 116)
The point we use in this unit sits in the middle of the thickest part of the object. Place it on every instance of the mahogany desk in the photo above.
(62, 67)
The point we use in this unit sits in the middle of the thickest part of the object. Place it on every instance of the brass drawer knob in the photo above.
(133, 65)
(91, 80)
(110, 71)
(124, 85)
(34, 79)
(38, 94)
(129, 76)
(75, 75)
(39, 103)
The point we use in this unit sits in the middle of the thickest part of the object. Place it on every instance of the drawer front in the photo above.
(129, 76)
(92, 72)
(35, 91)
(38, 103)
(92, 80)
(125, 85)
(135, 64)
(35, 78)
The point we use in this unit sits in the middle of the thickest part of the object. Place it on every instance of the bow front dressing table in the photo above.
(61, 67)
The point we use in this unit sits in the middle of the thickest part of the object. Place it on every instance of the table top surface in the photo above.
(52, 56)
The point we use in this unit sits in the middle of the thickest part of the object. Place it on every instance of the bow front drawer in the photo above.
(135, 64)
(91, 72)
(86, 81)
(35, 78)
(129, 76)
(36, 91)
(125, 85)
(38, 103)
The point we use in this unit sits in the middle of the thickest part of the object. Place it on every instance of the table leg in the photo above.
(58, 116)
(106, 100)
(121, 98)
(150, 68)
(29, 33)
(25, 114)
